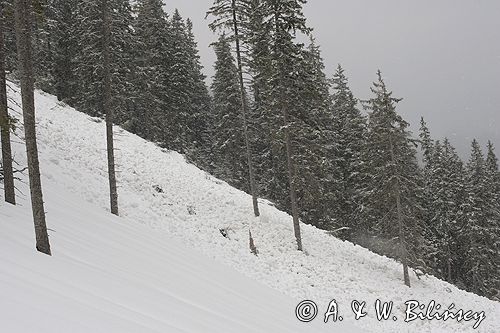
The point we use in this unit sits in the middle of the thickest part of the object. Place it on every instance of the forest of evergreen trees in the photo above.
(273, 124)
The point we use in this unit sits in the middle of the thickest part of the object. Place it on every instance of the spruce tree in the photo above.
(427, 149)
(493, 173)
(445, 191)
(229, 141)
(493, 181)
(313, 137)
(395, 184)
(152, 59)
(65, 48)
(121, 67)
(349, 128)
(479, 238)
(263, 123)
(201, 121)
(179, 83)
(228, 15)
(104, 70)
(43, 45)
(454, 200)
(426, 143)
(89, 32)
(286, 19)
(88, 62)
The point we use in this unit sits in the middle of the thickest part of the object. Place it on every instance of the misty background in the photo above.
(442, 57)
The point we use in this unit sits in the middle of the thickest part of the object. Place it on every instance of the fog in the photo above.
(442, 57)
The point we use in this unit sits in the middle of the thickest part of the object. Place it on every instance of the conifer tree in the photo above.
(454, 200)
(493, 181)
(445, 188)
(200, 122)
(228, 15)
(427, 146)
(123, 98)
(264, 124)
(188, 101)
(426, 143)
(65, 48)
(393, 195)
(104, 70)
(180, 82)
(230, 141)
(88, 62)
(311, 122)
(43, 50)
(479, 239)
(349, 128)
(152, 60)
(493, 173)
(23, 19)
(313, 137)
(286, 19)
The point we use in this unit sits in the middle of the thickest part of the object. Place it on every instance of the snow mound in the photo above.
(164, 261)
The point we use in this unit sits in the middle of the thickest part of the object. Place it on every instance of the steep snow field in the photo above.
(164, 265)
(110, 274)
(113, 275)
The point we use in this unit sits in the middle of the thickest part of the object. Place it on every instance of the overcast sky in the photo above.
(441, 56)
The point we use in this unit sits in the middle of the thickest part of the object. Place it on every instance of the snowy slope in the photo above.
(158, 256)
(112, 275)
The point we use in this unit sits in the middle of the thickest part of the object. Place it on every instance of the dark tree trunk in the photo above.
(292, 175)
(23, 18)
(402, 239)
(8, 173)
(244, 108)
(244, 111)
(108, 109)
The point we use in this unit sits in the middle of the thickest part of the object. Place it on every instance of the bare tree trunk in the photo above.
(8, 173)
(24, 51)
(402, 240)
(289, 153)
(449, 263)
(291, 178)
(244, 108)
(108, 109)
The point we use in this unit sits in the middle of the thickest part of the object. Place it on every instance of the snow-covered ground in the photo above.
(164, 266)
(113, 275)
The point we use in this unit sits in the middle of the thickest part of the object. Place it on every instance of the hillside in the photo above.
(112, 275)
(164, 265)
